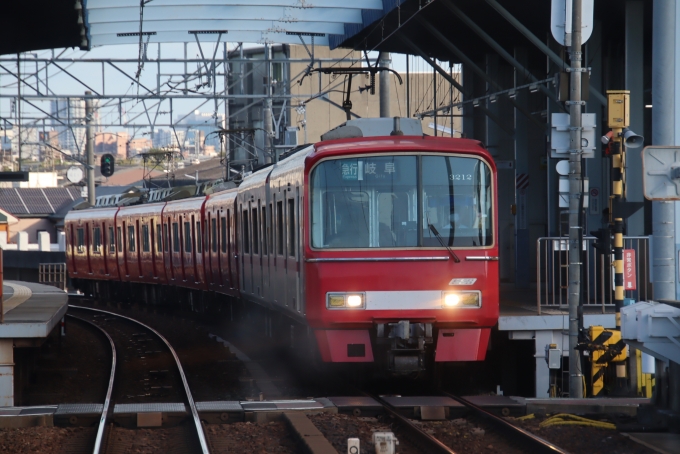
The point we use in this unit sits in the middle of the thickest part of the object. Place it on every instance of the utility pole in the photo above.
(89, 148)
(575, 203)
(18, 110)
(268, 125)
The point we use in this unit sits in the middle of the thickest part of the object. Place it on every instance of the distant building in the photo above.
(137, 146)
(115, 143)
(71, 112)
(199, 126)
(162, 138)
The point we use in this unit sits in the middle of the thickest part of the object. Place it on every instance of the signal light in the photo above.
(107, 164)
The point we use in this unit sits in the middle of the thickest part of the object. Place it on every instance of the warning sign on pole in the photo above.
(629, 273)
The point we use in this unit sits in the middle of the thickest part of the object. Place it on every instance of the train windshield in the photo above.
(375, 201)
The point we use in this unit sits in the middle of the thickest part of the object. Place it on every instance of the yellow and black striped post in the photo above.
(619, 291)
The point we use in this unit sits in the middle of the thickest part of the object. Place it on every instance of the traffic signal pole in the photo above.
(575, 104)
(89, 148)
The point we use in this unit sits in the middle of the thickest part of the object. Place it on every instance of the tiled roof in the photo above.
(26, 201)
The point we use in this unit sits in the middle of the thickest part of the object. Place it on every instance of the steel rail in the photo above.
(107, 401)
(431, 444)
(530, 441)
(190, 399)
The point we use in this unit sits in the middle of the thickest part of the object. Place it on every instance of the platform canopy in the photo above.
(43, 24)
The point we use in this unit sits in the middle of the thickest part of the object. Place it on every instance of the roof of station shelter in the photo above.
(44, 24)
(359, 24)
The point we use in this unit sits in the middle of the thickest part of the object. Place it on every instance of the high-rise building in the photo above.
(68, 119)
(206, 123)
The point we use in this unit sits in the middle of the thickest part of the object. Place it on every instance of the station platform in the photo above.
(523, 319)
(31, 311)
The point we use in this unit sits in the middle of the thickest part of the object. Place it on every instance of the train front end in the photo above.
(401, 251)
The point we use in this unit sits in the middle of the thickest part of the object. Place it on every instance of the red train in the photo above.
(382, 248)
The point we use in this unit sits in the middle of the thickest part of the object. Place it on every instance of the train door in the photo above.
(256, 248)
(246, 255)
(167, 249)
(266, 250)
(293, 253)
(123, 247)
(281, 260)
(232, 249)
(139, 242)
(105, 248)
(152, 246)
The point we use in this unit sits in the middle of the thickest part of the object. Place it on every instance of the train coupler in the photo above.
(406, 343)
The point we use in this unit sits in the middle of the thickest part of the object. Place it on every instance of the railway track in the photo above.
(519, 438)
(106, 441)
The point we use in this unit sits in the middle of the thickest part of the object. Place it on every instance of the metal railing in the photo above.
(52, 274)
(552, 272)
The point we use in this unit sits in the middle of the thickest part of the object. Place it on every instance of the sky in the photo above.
(115, 82)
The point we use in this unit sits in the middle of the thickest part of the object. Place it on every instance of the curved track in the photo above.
(192, 405)
(109, 390)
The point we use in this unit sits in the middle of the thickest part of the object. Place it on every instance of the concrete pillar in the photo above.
(3, 239)
(22, 241)
(6, 372)
(635, 83)
(468, 109)
(43, 241)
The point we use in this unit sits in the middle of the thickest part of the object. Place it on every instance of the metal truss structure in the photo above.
(164, 95)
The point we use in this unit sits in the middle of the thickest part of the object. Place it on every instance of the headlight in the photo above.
(461, 299)
(345, 300)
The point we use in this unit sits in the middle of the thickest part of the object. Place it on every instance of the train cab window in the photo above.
(224, 224)
(401, 201)
(213, 234)
(256, 230)
(80, 235)
(175, 237)
(457, 201)
(112, 241)
(246, 233)
(291, 227)
(97, 240)
(131, 238)
(120, 239)
(265, 234)
(199, 238)
(187, 237)
(159, 238)
(279, 227)
(146, 246)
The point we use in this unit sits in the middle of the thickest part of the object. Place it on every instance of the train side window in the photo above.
(223, 225)
(120, 239)
(213, 234)
(291, 227)
(187, 237)
(146, 247)
(256, 230)
(265, 233)
(97, 240)
(175, 237)
(81, 239)
(199, 238)
(279, 226)
(159, 238)
(112, 241)
(246, 232)
(131, 238)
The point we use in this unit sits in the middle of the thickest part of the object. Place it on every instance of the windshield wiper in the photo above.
(441, 241)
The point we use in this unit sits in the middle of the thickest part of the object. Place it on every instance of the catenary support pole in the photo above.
(575, 188)
(385, 61)
(664, 57)
(89, 148)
